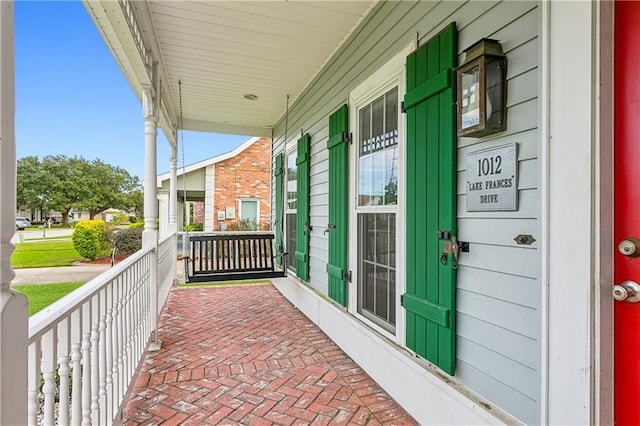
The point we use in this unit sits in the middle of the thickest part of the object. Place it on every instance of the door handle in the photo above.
(627, 291)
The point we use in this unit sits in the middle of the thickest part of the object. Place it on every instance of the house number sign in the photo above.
(492, 180)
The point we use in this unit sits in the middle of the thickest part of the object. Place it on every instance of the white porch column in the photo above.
(150, 234)
(14, 321)
(173, 190)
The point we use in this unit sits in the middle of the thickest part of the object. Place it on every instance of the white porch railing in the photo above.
(167, 267)
(85, 348)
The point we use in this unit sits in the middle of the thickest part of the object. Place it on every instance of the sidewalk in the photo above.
(57, 274)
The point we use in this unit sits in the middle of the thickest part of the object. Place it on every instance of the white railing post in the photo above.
(13, 305)
(150, 107)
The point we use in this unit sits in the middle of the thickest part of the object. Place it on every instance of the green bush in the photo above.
(133, 219)
(119, 219)
(136, 225)
(243, 225)
(88, 238)
(197, 226)
(128, 241)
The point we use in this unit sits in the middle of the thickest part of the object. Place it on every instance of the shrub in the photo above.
(197, 226)
(243, 225)
(136, 225)
(129, 241)
(119, 219)
(88, 238)
(133, 219)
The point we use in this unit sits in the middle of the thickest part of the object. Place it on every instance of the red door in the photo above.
(627, 212)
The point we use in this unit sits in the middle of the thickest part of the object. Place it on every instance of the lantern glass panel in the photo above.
(494, 97)
(470, 100)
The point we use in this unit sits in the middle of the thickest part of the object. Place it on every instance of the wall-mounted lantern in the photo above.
(482, 90)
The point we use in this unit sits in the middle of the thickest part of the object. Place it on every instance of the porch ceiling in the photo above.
(223, 50)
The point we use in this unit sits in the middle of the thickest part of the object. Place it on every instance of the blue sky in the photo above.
(72, 99)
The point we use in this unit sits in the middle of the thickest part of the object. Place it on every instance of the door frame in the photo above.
(604, 303)
(572, 334)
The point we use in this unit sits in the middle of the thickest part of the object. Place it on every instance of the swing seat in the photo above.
(226, 256)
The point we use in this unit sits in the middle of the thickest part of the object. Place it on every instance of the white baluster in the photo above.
(49, 358)
(76, 384)
(121, 387)
(129, 327)
(34, 383)
(102, 393)
(109, 344)
(86, 379)
(95, 372)
(63, 404)
(64, 350)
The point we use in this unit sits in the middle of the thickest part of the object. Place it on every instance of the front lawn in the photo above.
(42, 295)
(44, 254)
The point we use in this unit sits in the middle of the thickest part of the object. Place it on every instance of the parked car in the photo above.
(22, 223)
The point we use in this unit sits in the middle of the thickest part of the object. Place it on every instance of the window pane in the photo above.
(249, 210)
(391, 117)
(390, 179)
(378, 151)
(376, 277)
(290, 241)
(292, 187)
(365, 128)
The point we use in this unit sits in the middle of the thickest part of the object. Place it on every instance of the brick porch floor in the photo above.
(245, 355)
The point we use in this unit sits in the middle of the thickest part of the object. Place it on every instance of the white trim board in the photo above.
(426, 394)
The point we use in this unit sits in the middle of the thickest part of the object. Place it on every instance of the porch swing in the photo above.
(224, 256)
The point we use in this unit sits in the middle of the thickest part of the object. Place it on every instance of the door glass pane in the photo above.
(377, 273)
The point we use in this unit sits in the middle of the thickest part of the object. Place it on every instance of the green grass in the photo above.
(43, 254)
(217, 283)
(42, 295)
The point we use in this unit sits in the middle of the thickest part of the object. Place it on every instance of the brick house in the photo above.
(222, 190)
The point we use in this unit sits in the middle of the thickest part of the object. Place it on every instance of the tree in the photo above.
(135, 202)
(111, 187)
(30, 188)
(66, 183)
(62, 183)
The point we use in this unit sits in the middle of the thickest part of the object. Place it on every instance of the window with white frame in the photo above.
(291, 206)
(377, 168)
(376, 198)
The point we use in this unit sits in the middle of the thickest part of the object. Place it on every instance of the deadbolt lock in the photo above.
(629, 247)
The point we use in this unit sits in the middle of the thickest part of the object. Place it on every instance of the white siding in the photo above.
(498, 281)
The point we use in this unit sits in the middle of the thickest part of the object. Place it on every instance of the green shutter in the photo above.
(431, 199)
(338, 147)
(303, 227)
(278, 172)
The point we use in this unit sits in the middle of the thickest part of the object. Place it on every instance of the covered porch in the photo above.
(74, 362)
(370, 175)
